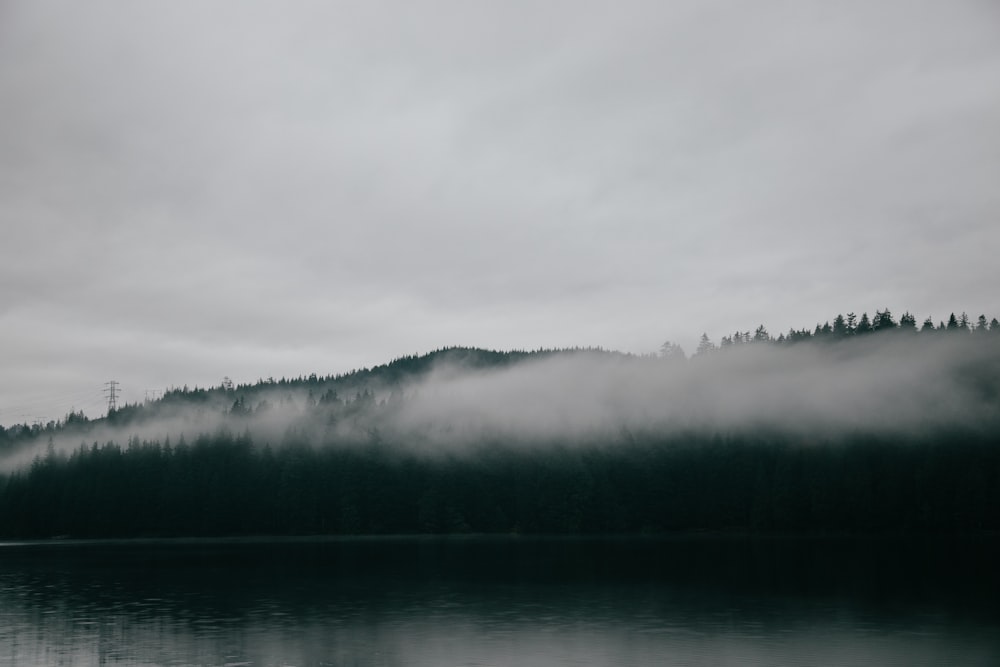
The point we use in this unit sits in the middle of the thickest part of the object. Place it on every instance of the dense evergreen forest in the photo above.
(226, 485)
(393, 450)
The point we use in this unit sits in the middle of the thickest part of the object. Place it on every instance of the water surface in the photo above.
(501, 601)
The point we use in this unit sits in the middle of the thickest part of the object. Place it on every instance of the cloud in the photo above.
(359, 183)
(905, 387)
(901, 387)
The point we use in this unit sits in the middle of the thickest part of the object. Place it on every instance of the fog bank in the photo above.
(887, 385)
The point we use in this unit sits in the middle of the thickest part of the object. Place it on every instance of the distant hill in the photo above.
(860, 425)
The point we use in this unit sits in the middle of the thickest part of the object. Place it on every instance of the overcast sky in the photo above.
(191, 190)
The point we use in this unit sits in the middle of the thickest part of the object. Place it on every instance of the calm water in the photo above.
(501, 601)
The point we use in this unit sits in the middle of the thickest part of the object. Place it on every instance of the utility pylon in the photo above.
(111, 389)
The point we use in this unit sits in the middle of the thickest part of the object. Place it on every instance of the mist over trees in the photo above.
(858, 424)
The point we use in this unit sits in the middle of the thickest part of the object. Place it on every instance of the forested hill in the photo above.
(858, 424)
(228, 399)
(849, 333)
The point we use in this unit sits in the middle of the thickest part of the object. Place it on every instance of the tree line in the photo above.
(309, 481)
(225, 484)
(844, 327)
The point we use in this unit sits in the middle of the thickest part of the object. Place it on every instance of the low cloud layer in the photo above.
(899, 386)
(881, 386)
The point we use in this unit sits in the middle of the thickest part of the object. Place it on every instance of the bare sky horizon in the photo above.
(196, 190)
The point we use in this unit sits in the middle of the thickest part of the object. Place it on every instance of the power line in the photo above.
(46, 407)
(32, 407)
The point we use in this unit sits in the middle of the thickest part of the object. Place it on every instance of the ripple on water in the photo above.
(301, 610)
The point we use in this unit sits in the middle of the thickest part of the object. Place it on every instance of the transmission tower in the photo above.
(111, 389)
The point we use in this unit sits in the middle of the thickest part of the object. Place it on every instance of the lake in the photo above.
(692, 600)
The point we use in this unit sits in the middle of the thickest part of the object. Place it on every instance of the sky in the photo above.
(192, 190)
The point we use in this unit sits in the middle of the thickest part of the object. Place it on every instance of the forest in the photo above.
(860, 425)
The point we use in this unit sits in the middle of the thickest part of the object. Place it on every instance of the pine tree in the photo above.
(864, 325)
(671, 352)
(884, 321)
(705, 346)
(840, 328)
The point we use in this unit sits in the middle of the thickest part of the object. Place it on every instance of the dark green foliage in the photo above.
(884, 321)
(226, 485)
(749, 479)
(864, 325)
(840, 329)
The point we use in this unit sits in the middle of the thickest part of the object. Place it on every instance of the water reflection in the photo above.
(499, 601)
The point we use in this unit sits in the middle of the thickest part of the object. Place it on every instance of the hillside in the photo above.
(863, 425)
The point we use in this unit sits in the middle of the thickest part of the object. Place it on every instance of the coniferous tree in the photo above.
(705, 346)
(840, 327)
(671, 352)
(883, 321)
(864, 325)
(798, 336)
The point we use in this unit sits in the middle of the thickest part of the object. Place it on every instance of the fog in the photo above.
(886, 384)
(882, 386)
